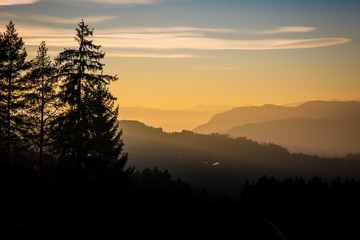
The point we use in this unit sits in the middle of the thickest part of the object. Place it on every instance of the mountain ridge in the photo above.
(328, 128)
(256, 114)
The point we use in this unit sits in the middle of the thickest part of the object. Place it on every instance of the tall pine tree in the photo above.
(106, 144)
(41, 99)
(12, 88)
(89, 121)
(2, 103)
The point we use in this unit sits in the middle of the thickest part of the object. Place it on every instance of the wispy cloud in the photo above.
(312, 43)
(16, 2)
(205, 43)
(170, 39)
(149, 55)
(167, 30)
(89, 19)
(59, 20)
(285, 29)
(120, 2)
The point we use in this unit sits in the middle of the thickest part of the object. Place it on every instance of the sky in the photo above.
(176, 54)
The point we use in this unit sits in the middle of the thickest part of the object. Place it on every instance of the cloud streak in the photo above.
(204, 43)
(176, 38)
(58, 20)
(119, 2)
(195, 38)
(176, 29)
(149, 55)
(17, 2)
(285, 29)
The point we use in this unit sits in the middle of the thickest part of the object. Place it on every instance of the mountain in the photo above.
(222, 163)
(172, 120)
(327, 137)
(317, 127)
(221, 122)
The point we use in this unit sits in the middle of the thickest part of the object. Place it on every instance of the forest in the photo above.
(65, 170)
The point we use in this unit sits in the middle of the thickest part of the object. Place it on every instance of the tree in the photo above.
(2, 102)
(12, 87)
(105, 142)
(87, 130)
(41, 98)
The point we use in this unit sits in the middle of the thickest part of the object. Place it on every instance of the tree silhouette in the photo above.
(2, 102)
(88, 127)
(105, 142)
(41, 98)
(12, 88)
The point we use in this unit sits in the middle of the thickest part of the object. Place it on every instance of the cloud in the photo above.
(139, 41)
(88, 19)
(17, 2)
(168, 30)
(285, 29)
(312, 43)
(59, 20)
(149, 55)
(170, 39)
(120, 2)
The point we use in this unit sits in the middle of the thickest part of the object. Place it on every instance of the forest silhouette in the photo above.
(65, 171)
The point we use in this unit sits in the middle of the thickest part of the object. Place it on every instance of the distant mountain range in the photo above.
(316, 127)
(221, 163)
(172, 120)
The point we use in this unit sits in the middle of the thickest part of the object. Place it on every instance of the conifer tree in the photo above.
(41, 98)
(106, 144)
(12, 88)
(2, 103)
(87, 129)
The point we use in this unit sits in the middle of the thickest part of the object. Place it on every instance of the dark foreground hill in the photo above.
(221, 163)
(318, 127)
(51, 200)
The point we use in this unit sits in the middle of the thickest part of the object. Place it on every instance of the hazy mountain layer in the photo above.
(172, 120)
(318, 127)
(327, 137)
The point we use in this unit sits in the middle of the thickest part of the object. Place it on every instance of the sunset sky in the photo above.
(176, 54)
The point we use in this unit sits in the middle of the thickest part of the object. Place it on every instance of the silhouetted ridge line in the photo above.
(317, 127)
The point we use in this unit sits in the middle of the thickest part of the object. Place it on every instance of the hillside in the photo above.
(318, 127)
(172, 120)
(328, 137)
(222, 163)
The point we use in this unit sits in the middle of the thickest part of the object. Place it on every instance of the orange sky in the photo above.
(174, 54)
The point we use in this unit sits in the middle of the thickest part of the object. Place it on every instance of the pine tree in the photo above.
(87, 130)
(2, 103)
(106, 144)
(41, 98)
(12, 88)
